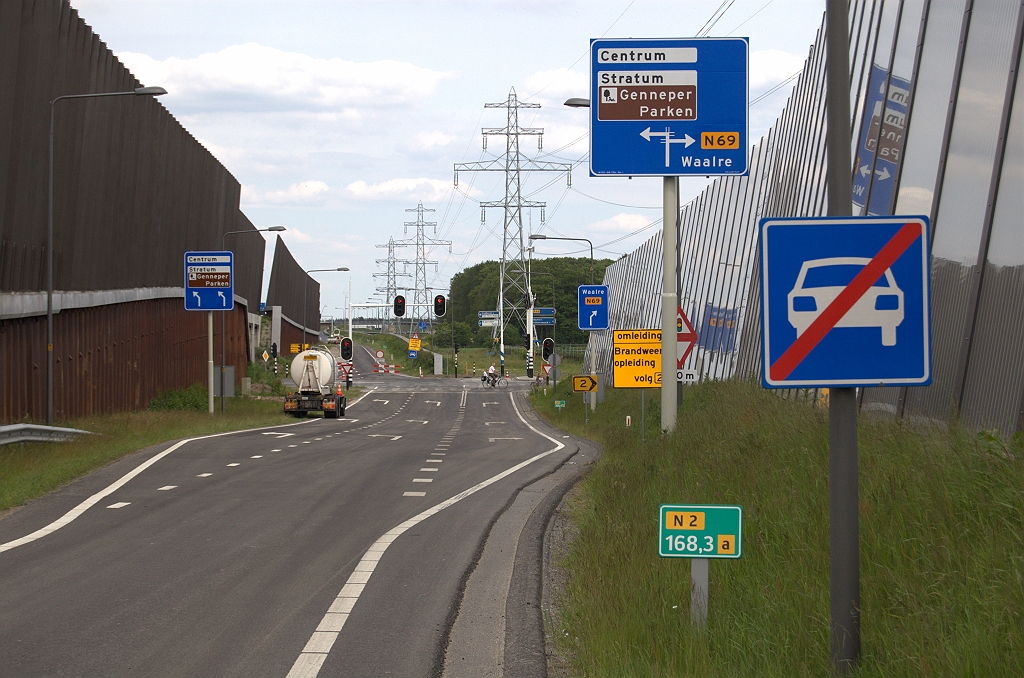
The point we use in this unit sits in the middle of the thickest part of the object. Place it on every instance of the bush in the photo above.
(261, 373)
(192, 398)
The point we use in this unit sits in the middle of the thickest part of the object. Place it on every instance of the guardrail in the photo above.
(17, 433)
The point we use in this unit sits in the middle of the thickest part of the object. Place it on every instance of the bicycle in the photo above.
(495, 381)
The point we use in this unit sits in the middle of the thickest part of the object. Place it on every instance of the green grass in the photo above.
(396, 351)
(30, 470)
(942, 543)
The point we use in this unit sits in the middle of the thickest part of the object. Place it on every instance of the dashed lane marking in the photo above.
(256, 456)
(234, 464)
(429, 470)
(423, 480)
(165, 488)
(204, 475)
(404, 494)
(120, 504)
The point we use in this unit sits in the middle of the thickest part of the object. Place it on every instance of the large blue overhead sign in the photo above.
(209, 281)
(845, 302)
(668, 107)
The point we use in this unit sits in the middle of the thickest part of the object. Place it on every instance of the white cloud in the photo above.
(410, 190)
(255, 78)
(558, 84)
(620, 224)
(769, 67)
(304, 193)
(434, 139)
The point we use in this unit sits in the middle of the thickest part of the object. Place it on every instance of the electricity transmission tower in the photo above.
(515, 295)
(391, 274)
(422, 242)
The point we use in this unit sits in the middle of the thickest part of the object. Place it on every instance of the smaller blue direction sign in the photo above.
(593, 307)
(544, 312)
(209, 281)
(413, 354)
(543, 321)
(846, 302)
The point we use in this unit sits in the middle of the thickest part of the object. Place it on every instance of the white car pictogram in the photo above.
(821, 280)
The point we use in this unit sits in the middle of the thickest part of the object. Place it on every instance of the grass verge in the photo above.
(942, 543)
(30, 470)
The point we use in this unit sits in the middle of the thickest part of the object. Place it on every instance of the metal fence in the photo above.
(937, 130)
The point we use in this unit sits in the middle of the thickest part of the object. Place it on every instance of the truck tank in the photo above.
(314, 370)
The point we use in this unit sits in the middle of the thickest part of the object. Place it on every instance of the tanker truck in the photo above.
(318, 389)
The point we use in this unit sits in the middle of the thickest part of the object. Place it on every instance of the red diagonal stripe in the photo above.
(863, 281)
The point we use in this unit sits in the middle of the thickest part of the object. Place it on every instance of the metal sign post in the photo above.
(209, 286)
(669, 108)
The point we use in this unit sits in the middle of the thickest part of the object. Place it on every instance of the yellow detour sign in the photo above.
(584, 384)
(294, 348)
(636, 358)
(414, 344)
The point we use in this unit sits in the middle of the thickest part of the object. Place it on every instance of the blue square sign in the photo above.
(845, 301)
(593, 307)
(209, 281)
(668, 107)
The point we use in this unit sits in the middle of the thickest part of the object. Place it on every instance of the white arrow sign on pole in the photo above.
(668, 141)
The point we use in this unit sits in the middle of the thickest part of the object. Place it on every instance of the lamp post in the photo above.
(538, 236)
(273, 229)
(138, 91)
(305, 285)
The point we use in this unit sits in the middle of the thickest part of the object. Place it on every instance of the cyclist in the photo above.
(491, 376)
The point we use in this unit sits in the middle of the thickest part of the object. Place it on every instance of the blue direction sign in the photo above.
(668, 107)
(209, 281)
(413, 354)
(846, 302)
(593, 307)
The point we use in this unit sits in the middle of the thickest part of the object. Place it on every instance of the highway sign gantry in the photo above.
(209, 281)
(846, 302)
(584, 384)
(699, 531)
(674, 107)
(593, 307)
(636, 358)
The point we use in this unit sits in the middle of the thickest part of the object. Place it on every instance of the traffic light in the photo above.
(456, 349)
(273, 350)
(439, 305)
(549, 347)
(346, 348)
(399, 305)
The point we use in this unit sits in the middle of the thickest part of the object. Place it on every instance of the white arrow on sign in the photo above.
(278, 434)
(491, 440)
(436, 402)
(223, 299)
(381, 435)
(883, 174)
(382, 401)
(488, 423)
(416, 421)
(486, 404)
(199, 299)
(668, 141)
(864, 171)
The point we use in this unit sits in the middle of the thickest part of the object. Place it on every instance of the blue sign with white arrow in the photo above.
(668, 107)
(593, 307)
(845, 302)
(209, 281)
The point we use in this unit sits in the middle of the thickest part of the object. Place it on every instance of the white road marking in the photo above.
(429, 470)
(381, 435)
(462, 401)
(436, 402)
(404, 494)
(317, 438)
(432, 461)
(488, 423)
(308, 663)
(382, 401)
(256, 456)
(278, 434)
(204, 475)
(165, 488)
(416, 421)
(423, 480)
(491, 440)
(305, 442)
(275, 450)
(293, 446)
(234, 464)
(120, 504)
(84, 506)
(437, 454)
(486, 404)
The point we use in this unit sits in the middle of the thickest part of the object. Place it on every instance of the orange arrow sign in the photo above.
(584, 384)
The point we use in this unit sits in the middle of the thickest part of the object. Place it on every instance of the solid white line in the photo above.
(308, 663)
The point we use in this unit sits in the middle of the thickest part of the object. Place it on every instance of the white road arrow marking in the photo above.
(668, 141)
(883, 174)
(278, 434)
(381, 435)
(382, 401)
(416, 421)
(488, 423)
(491, 440)
(486, 404)
(436, 402)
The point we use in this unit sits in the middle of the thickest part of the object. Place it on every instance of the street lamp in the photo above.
(305, 284)
(577, 102)
(271, 229)
(537, 236)
(138, 91)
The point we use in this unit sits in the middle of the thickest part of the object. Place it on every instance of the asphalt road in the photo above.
(326, 547)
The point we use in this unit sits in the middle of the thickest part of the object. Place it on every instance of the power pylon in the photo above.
(422, 242)
(515, 294)
(391, 274)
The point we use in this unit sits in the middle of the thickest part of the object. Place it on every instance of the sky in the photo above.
(336, 117)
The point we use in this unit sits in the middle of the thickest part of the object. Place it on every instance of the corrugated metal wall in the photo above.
(958, 156)
(289, 286)
(133, 190)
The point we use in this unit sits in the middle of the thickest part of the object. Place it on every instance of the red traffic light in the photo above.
(549, 348)
(439, 305)
(346, 348)
(399, 305)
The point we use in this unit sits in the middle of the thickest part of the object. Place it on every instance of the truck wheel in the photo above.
(341, 412)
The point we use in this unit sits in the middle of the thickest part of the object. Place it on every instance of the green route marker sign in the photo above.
(697, 531)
